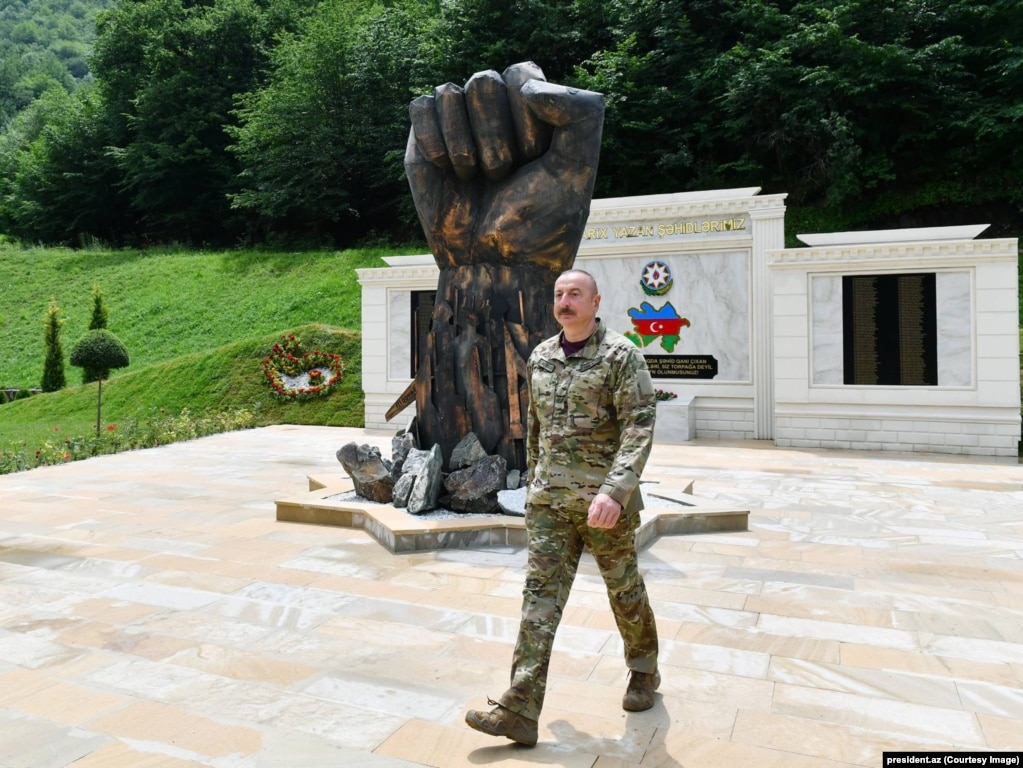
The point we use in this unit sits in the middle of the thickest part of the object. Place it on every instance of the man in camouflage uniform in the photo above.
(591, 423)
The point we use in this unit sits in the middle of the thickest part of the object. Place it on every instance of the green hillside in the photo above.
(167, 304)
(197, 326)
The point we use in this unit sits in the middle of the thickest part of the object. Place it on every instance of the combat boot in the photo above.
(501, 721)
(639, 696)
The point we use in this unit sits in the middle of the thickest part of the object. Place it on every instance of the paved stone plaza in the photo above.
(153, 612)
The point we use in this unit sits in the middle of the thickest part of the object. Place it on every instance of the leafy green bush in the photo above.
(99, 350)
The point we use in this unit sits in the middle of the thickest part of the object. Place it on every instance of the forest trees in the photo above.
(44, 44)
(321, 145)
(214, 121)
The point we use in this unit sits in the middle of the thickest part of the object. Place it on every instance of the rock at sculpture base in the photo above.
(468, 451)
(401, 444)
(429, 478)
(369, 472)
(475, 488)
(415, 480)
(403, 489)
(512, 502)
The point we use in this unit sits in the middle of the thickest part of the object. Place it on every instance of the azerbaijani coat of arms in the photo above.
(656, 279)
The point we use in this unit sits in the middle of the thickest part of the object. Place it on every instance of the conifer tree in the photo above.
(53, 366)
(99, 310)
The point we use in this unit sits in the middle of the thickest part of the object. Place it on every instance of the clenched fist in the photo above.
(502, 170)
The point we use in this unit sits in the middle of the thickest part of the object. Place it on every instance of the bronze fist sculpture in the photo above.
(502, 174)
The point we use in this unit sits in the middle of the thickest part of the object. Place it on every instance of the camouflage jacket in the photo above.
(591, 421)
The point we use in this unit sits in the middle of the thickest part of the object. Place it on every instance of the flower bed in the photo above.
(297, 375)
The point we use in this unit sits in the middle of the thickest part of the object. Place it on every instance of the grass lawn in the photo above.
(197, 326)
(168, 304)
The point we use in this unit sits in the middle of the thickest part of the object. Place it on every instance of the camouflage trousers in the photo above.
(556, 541)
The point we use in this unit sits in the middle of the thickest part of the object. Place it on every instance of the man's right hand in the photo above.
(604, 512)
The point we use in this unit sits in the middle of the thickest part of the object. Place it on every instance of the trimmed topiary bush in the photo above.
(100, 313)
(99, 351)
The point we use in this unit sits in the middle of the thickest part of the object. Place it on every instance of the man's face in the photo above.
(576, 302)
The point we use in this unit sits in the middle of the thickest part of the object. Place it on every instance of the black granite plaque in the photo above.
(890, 330)
(682, 366)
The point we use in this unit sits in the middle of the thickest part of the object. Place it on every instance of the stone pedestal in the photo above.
(676, 420)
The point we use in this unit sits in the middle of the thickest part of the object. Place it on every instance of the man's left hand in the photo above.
(604, 512)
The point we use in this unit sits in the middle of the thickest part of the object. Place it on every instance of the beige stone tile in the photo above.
(274, 574)
(614, 762)
(65, 703)
(612, 734)
(81, 667)
(920, 689)
(1013, 600)
(710, 559)
(914, 721)
(474, 603)
(991, 699)
(480, 649)
(458, 746)
(887, 587)
(254, 551)
(793, 606)
(513, 569)
(350, 585)
(945, 572)
(883, 637)
(1017, 668)
(113, 611)
(729, 661)
(242, 665)
(177, 727)
(721, 548)
(367, 631)
(20, 683)
(760, 642)
(461, 583)
(682, 684)
(978, 649)
(711, 598)
(439, 627)
(686, 749)
(208, 582)
(850, 556)
(1003, 733)
(95, 634)
(960, 624)
(830, 742)
(592, 698)
(872, 657)
(118, 755)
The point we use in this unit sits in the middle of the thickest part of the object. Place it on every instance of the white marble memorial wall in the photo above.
(975, 406)
(715, 245)
(711, 291)
(772, 318)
